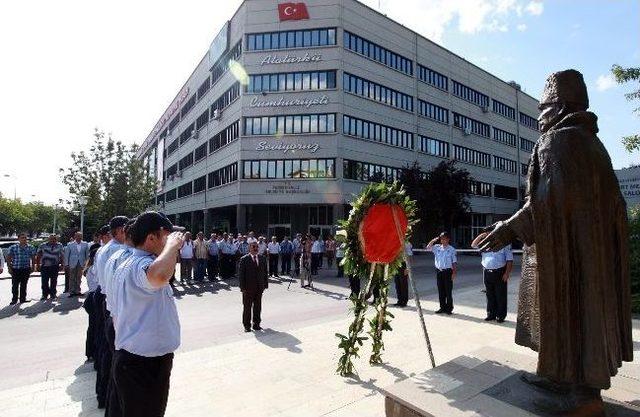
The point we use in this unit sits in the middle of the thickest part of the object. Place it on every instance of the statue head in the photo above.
(564, 92)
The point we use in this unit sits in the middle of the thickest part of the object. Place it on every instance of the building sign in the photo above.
(173, 108)
(629, 180)
(219, 45)
(258, 102)
(290, 59)
(287, 147)
(286, 188)
(292, 11)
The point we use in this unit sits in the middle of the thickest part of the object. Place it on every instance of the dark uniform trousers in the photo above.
(315, 262)
(142, 383)
(89, 307)
(212, 267)
(445, 289)
(496, 293)
(402, 286)
(286, 263)
(113, 406)
(273, 264)
(49, 280)
(99, 346)
(19, 280)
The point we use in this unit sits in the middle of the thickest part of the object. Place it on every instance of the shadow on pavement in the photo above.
(278, 340)
(460, 316)
(82, 389)
(199, 288)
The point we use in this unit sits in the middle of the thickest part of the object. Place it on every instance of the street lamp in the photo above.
(14, 184)
(82, 201)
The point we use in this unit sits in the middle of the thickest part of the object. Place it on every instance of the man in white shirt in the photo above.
(273, 249)
(186, 259)
(316, 254)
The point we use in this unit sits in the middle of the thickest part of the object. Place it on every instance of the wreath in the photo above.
(375, 232)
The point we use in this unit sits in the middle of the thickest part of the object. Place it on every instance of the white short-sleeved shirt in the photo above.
(147, 318)
(102, 256)
(92, 280)
(186, 251)
(110, 269)
(498, 259)
(444, 257)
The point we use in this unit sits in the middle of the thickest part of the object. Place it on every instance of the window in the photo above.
(222, 65)
(504, 110)
(170, 195)
(227, 98)
(524, 169)
(376, 132)
(185, 190)
(471, 156)
(365, 171)
(479, 188)
(173, 146)
(202, 120)
(288, 169)
(298, 81)
(188, 105)
(199, 184)
(172, 170)
(204, 87)
(432, 77)
(200, 152)
(290, 125)
(174, 122)
(469, 94)
(434, 147)
(223, 175)
(464, 122)
(526, 145)
(186, 134)
(291, 39)
(377, 53)
(377, 92)
(225, 136)
(504, 164)
(433, 111)
(502, 191)
(529, 121)
(186, 161)
(504, 137)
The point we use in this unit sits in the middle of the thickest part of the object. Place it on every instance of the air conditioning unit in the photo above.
(168, 132)
(467, 131)
(485, 109)
(196, 134)
(216, 114)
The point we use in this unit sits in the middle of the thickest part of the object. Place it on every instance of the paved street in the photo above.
(291, 365)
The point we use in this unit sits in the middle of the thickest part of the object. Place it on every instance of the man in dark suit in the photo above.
(252, 272)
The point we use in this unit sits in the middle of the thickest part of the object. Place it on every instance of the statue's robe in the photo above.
(575, 302)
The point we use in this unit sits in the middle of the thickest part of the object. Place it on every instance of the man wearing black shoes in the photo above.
(445, 262)
(252, 272)
(496, 270)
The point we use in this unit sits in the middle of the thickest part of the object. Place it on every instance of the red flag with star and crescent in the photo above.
(293, 11)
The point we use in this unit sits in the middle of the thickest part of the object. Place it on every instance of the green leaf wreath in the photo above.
(354, 263)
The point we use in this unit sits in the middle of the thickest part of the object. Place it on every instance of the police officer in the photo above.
(496, 270)
(147, 326)
(103, 353)
(446, 263)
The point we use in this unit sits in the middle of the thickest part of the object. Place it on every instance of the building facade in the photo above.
(296, 106)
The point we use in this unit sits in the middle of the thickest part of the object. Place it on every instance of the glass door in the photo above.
(279, 231)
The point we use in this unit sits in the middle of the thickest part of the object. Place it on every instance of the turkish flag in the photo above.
(292, 11)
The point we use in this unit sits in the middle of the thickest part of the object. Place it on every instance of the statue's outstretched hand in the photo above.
(500, 235)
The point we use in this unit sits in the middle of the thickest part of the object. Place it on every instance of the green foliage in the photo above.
(32, 218)
(355, 264)
(634, 257)
(114, 181)
(622, 76)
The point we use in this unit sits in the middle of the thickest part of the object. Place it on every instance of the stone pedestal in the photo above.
(488, 383)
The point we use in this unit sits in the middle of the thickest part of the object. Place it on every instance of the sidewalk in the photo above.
(279, 373)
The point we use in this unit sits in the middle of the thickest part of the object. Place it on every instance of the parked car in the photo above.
(5, 245)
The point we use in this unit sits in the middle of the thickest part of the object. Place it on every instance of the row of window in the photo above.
(434, 147)
(365, 171)
(288, 168)
(479, 188)
(504, 137)
(475, 126)
(226, 98)
(377, 53)
(432, 77)
(501, 108)
(291, 39)
(225, 136)
(215, 178)
(471, 156)
(292, 124)
(374, 91)
(433, 111)
(526, 145)
(504, 164)
(524, 169)
(469, 94)
(292, 81)
(528, 121)
(222, 65)
(376, 132)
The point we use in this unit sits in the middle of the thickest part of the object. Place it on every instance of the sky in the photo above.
(68, 67)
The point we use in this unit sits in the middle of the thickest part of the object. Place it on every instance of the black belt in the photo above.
(494, 270)
(444, 270)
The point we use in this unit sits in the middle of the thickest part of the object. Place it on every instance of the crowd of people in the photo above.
(133, 325)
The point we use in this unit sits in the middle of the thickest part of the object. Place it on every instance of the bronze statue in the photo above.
(575, 296)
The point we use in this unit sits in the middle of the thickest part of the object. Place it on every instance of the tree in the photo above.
(441, 193)
(32, 218)
(624, 75)
(114, 181)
